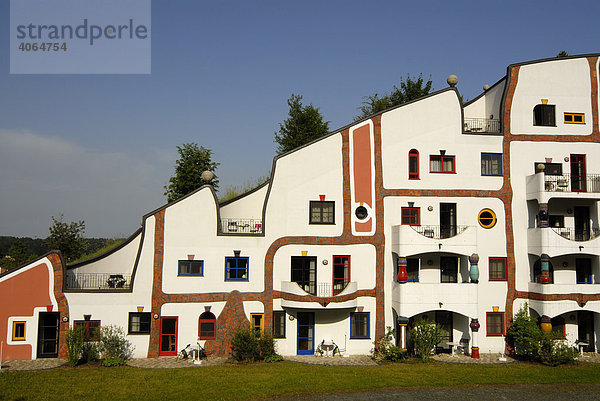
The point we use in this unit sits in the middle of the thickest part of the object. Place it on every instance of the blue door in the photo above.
(306, 333)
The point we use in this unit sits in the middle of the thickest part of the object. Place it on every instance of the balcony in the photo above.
(320, 290)
(108, 282)
(410, 299)
(564, 288)
(242, 226)
(543, 187)
(556, 241)
(481, 125)
(412, 240)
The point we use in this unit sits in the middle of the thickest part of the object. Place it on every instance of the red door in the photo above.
(578, 178)
(168, 336)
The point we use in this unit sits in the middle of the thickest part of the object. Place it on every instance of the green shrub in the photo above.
(113, 346)
(247, 347)
(425, 336)
(394, 354)
(90, 352)
(75, 343)
(244, 344)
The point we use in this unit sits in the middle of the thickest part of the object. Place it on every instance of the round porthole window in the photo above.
(487, 218)
(361, 212)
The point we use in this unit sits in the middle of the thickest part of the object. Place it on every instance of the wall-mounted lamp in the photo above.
(430, 208)
(441, 304)
(440, 245)
(325, 261)
(581, 247)
(65, 319)
(155, 316)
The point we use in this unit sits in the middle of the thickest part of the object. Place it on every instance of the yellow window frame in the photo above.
(14, 331)
(257, 328)
(569, 118)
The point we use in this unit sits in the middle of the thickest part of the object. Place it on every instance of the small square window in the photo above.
(139, 322)
(491, 164)
(498, 269)
(544, 115)
(494, 323)
(91, 329)
(279, 324)
(411, 216)
(441, 164)
(236, 268)
(322, 212)
(359, 325)
(18, 333)
(191, 268)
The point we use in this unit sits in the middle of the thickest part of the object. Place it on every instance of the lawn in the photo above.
(241, 382)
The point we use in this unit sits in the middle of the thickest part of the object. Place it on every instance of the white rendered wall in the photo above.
(190, 229)
(301, 176)
(248, 207)
(187, 319)
(565, 83)
(121, 261)
(114, 308)
(487, 106)
(431, 125)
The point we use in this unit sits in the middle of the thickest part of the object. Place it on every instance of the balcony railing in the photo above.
(481, 125)
(241, 226)
(577, 235)
(97, 281)
(323, 289)
(439, 232)
(572, 183)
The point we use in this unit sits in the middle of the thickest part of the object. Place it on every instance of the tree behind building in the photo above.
(193, 160)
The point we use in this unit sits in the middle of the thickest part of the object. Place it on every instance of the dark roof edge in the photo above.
(250, 192)
(57, 252)
(543, 60)
(484, 92)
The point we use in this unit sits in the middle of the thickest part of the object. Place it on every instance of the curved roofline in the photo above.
(55, 251)
(543, 60)
(484, 92)
(107, 253)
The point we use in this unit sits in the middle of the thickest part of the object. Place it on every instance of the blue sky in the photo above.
(100, 148)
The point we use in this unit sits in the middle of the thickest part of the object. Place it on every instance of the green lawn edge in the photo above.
(255, 381)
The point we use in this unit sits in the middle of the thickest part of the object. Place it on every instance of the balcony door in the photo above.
(585, 323)
(581, 215)
(304, 272)
(306, 333)
(447, 220)
(341, 273)
(168, 336)
(583, 269)
(578, 173)
(448, 269)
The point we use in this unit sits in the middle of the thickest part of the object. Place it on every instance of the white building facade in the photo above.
(458, 213)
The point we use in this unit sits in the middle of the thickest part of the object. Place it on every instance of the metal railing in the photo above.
(572, 183)
(577, 235)
(97, 281)
(439, 232)
(244, 226)
(322, 289)
(481, 125)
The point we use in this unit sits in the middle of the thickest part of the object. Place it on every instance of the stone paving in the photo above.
(170, 362)
(38, 364)
(353, 360)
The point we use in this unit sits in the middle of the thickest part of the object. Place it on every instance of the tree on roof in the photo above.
(562, 53)
(410, 89)
(304, 124)
(67, 237)
(193, 161)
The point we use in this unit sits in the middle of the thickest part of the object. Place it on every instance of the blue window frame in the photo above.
(236, 268)
(360, 325)
(491, 164)
(191, 268)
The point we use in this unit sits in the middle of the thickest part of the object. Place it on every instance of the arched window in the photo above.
(413, 164)
(207, 326)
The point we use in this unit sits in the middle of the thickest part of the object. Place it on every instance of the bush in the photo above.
(247, 347)
(90, 352)
(113, 346)
(532, 344)
(425, 336)
(75, 343)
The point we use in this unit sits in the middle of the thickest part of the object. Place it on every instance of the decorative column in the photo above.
(545, 262)
(543, 215)
(402, 323)
(475, 346)
(474, 270)
(546, 324)
(402, 274)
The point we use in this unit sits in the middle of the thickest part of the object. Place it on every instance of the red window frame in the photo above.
(413, 154)
(406, 214)
(89, 333)
(505, 278)
(487, 324)
(558, 326)
(338, 260)
(162, 352)
(442, 159)
(207, 318)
